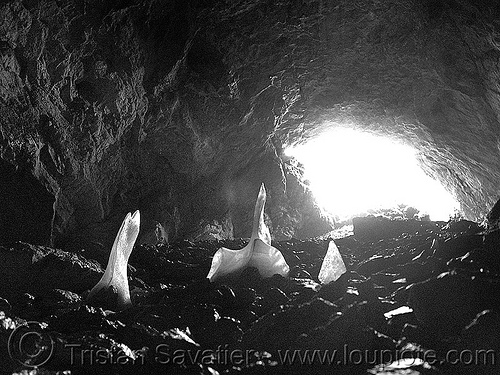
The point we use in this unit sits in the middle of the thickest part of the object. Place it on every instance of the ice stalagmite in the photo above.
(333, 266)
(112, 291)
(257, 253)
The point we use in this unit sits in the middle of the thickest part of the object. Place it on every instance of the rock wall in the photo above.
(26, 212)
(182, 108)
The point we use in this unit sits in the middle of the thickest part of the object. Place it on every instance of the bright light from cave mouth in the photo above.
(351, 172)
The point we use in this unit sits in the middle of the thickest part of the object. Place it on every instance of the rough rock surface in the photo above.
(182, 108)
(182, 323)
(38, 269)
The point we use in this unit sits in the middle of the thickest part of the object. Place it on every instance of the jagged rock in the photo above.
(335, 290)
(372, 228)
(456, 247)
(8, 323)
(280, 329)
(110, 109)
(493, 217)
(224, 296)
(491, 253)
(415, 333)
(463, 226)
(266, 316)
(481, 333)
(373, 265)
(346, 332)
(274, 297)
(446, 304)
(38, 270)
(58, 300)
(396, 323)
(480, 344)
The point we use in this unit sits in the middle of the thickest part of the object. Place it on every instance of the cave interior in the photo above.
(181, 110)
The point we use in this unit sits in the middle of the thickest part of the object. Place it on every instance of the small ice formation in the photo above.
(112, 291)
(333, 266)
(257, 253)
(351, 172)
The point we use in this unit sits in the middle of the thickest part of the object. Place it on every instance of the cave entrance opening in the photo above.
(356, 173)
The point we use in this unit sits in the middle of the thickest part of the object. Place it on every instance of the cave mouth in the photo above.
(355, 173)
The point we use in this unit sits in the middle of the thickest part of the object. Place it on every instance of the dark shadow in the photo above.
(26, 208)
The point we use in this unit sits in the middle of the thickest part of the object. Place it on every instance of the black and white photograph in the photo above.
(250, 187)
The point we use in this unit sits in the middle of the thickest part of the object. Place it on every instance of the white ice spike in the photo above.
(257, 253)
(333, 266)
(115, 276)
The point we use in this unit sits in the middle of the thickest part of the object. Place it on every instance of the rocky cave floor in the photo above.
(181, 323)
